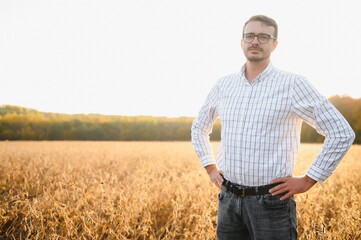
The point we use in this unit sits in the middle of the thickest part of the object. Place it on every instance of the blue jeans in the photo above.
(255, 217)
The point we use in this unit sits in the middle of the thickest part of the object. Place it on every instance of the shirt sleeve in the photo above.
(319, 113)
(202, 127)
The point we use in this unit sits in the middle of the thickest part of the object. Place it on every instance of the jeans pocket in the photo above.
(273, 202)
(221, 193)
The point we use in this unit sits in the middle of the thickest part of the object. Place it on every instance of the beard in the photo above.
(254, 57)
(260, 55)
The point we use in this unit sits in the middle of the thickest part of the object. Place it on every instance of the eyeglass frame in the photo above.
(256, 35)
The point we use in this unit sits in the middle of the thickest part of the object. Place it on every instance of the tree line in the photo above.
(19, 123)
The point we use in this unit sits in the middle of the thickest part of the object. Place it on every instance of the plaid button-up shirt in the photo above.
(261, 127)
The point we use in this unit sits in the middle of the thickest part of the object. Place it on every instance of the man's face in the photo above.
(256, 51)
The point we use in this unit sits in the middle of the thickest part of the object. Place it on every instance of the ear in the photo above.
(242, 43)
(275, 44)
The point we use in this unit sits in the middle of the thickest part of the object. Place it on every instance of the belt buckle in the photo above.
(242, 192)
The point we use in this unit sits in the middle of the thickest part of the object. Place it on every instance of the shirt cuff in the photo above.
(317, 173)
(207, 160)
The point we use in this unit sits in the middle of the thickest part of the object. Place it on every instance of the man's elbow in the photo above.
(348, 137)
(352, 136)
(196, 133)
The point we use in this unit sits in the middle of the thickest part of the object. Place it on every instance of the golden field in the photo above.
(146, 190)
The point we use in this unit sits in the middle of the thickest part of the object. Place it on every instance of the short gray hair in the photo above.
(265, 20)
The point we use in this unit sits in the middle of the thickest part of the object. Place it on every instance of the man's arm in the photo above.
(201, 129)
(318, 112)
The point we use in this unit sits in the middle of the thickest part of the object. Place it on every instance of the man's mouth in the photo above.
(255, 49)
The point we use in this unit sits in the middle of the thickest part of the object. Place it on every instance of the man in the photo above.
(261, 111)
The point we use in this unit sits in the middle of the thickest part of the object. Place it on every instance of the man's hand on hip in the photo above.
(291, 186)
(215, 175)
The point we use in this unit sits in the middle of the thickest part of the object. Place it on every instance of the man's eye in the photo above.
(249, 35)
(263, 36)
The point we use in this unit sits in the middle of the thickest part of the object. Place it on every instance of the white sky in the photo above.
(161, 57)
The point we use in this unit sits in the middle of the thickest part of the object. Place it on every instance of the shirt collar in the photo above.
(260, 77)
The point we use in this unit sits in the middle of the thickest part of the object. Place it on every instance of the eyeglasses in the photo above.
(262, 37)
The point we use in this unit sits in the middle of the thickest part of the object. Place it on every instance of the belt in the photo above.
(247, 191)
